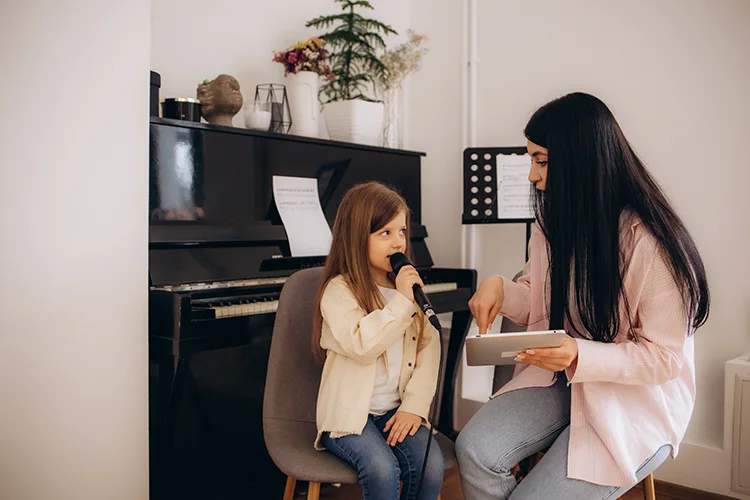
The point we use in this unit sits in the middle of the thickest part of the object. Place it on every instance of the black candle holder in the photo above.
(281, 117)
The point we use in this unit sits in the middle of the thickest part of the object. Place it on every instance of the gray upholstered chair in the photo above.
(291, 392)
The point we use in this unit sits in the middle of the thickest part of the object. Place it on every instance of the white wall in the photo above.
(73, 303)
(434, 125)
(193, 40)
(676, 73)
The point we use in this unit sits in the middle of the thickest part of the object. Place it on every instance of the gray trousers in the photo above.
(518, 424)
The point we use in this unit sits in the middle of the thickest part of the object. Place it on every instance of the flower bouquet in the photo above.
(307, 55)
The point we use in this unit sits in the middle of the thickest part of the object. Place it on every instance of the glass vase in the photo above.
(391, 118)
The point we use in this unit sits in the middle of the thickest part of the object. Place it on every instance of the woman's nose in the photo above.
(534, 176)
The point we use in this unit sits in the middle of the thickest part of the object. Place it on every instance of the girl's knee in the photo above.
(380, 470)
(435, 467)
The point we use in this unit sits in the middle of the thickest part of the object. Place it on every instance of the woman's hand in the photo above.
(406, 279)
(554, 359)
(402, 424)
(486, 302)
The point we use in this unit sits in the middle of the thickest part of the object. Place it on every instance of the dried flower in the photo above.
(403, 60)
(306, 55)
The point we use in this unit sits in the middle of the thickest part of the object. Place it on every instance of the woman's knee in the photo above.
(467, 444)
(477, 447)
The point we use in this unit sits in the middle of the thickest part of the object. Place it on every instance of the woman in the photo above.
(612, 264)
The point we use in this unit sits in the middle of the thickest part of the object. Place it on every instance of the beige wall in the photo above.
(73, 303)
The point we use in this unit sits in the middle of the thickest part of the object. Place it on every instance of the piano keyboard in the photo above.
(440, 287)
(246, 309)
(249, 307)
(199, 287)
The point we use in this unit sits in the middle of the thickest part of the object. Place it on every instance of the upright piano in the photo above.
(218, 258)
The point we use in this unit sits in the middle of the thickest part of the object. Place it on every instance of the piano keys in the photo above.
(218, 258)
(237, 303)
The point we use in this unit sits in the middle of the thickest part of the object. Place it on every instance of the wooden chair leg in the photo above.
(289, 489)
(649, 491)
(313, 491)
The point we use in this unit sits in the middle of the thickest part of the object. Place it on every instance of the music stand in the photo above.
(480, 193)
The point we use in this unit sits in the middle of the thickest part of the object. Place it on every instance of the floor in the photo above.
(451, 491)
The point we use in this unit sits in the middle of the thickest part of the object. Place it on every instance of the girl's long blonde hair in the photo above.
(364, 209)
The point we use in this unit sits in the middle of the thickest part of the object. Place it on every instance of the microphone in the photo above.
(399, 260)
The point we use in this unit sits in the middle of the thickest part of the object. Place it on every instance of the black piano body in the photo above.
(218, 258)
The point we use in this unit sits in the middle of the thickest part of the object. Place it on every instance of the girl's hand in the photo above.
(554, 359)
(486, 302)
(406, 279)
(401, 424)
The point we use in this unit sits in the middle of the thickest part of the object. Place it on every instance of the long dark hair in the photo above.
(593, 175)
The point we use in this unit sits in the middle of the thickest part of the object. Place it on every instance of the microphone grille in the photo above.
(399, 260)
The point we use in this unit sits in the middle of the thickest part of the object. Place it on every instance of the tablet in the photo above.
(501, 348)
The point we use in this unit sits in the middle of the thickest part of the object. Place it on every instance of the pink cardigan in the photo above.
(628, 398)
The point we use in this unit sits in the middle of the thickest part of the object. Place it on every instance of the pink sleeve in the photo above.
(662, 329)
(517, 301)
(516, 305)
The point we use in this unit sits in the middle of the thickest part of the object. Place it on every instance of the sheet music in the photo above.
(298, 202)
(513, 188)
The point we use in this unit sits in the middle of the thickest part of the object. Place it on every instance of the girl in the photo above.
(611, 262)
(381, 355)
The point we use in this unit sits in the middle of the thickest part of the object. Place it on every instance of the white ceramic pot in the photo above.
(354, 121)
(304, 107)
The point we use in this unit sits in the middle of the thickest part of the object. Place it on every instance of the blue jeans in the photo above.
(380, 467)
(518, 424)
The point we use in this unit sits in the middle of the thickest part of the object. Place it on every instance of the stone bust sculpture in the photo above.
(220, 100)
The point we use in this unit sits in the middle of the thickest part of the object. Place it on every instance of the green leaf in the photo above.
(353, 43)
(325, 21)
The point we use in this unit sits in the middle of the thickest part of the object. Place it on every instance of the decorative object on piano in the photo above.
(154, 93)
(258, 115)
(308, 55)
(304, 63)
(281, 118)
(351, 115)
(303, 103)
(220, 99)
(400, 61)
(181, 108)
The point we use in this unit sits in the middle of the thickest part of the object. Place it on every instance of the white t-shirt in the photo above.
(385, 395)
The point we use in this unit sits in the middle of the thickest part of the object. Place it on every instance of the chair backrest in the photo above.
(293, 376)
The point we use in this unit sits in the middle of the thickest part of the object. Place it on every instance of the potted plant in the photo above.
(351, 113)
(304, 64)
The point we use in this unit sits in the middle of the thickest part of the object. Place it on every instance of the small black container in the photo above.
(182, 108)
(154, 100)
